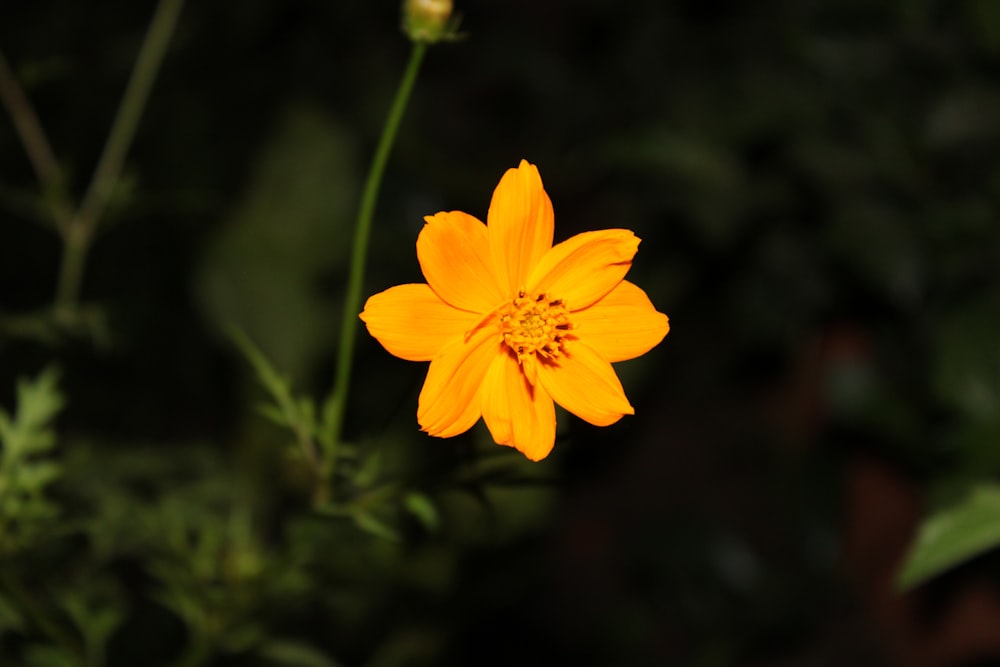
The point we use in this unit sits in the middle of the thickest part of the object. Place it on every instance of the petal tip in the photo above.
(525, 165)
(535, 457)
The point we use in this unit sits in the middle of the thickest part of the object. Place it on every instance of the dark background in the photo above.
(816, 185)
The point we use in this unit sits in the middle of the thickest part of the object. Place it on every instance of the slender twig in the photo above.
(36, 143)
(78, 235)
(77, 228)
(362, 232)
(130, 110)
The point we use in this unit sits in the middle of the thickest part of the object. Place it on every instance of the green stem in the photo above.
(362, 232)
(76, 243)
(79, 233)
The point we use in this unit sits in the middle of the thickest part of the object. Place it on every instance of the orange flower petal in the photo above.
(585, 267)
(453, 249)
(583, 382)
(413, 323)
(520, 223)
(516, 413)
(623, 325)
(450, 399)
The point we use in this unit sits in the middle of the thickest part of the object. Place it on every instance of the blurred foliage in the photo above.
(955, 534)
(817, 191)
(262, 271)
(26, 472)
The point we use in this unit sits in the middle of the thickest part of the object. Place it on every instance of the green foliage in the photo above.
(295, 413)
(359, 488)
(953, 535)
(26, 469)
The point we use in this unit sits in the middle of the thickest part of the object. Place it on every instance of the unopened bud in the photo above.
(428, 20)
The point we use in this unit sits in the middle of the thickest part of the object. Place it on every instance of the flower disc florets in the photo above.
(535, 324)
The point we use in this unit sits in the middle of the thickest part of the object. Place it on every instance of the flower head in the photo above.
(429, 21)
(512, 324)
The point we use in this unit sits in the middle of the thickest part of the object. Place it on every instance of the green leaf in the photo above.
(39, 400)
(95, 619)
(34, 476)
(297, 414)
(276, 384)
(420, 506)
(23, 474)
(371, 524)
(953, 535)
(273, 413)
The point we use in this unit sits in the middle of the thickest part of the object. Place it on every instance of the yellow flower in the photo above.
(511, 323)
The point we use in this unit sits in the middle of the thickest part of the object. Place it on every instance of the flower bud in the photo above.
(428, 20)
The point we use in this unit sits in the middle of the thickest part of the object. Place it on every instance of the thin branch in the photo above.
(109, 166)
(36, 143)
(77, 236)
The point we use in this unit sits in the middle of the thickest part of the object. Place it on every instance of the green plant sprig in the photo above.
(77, 225)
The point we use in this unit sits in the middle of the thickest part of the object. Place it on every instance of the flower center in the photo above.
(535, 324)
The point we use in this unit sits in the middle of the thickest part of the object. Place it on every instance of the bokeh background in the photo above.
(817, 188)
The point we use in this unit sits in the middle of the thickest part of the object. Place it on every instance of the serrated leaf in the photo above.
(28, 432)
(298, 415)
(38, 400)
(953, 535)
